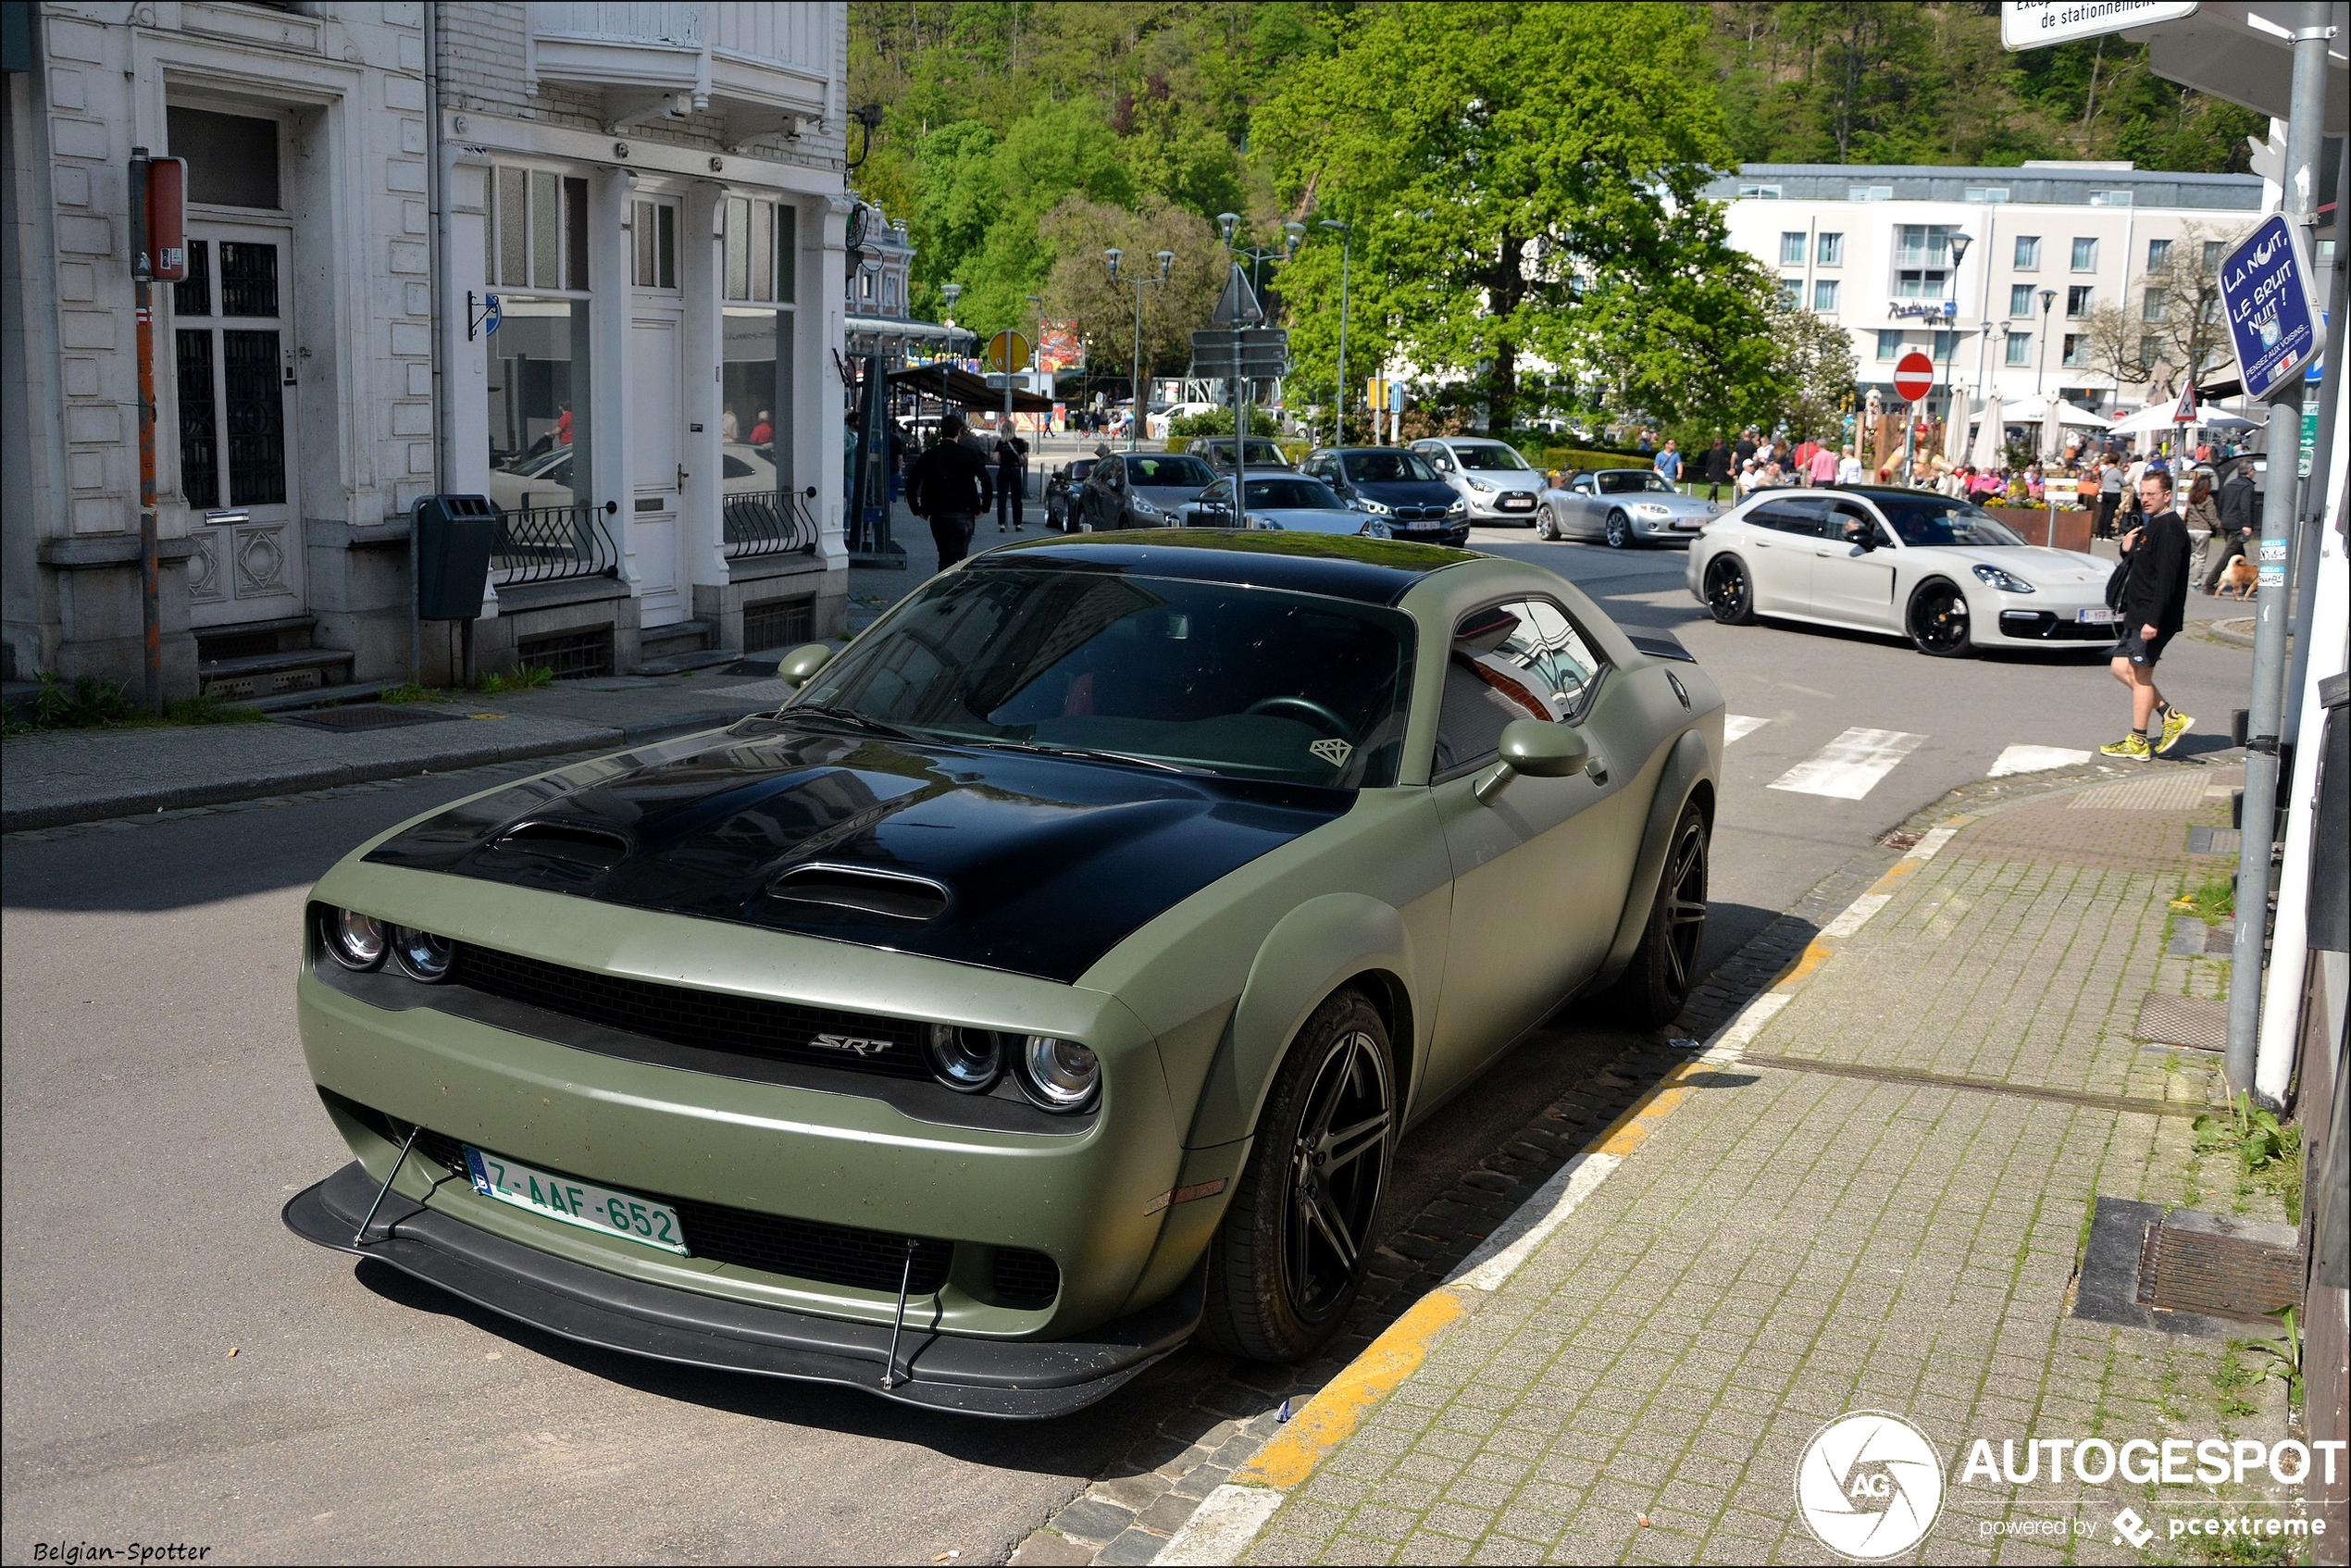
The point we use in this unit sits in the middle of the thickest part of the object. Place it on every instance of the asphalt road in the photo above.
(156, 1115)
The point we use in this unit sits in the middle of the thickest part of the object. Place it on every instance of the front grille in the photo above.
(830, 1254)
(741, 1026)
(2046, 626)
(1025, 1278)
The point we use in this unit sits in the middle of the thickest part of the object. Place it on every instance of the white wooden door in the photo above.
(656, 458)
(234, 387)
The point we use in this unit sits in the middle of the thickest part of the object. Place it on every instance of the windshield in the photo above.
(1174, 471)
(1220, 449)
(1387, 468)
(1250, 683)
(1490, 457)
(1296, 494)
(1934, 519)
(1631, 481)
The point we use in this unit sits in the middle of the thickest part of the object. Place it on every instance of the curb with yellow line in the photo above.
(1229, 1520)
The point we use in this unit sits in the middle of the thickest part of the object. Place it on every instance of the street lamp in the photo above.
(2049, 298)
(1346, 242)
(1957, 244)
(1166, 260)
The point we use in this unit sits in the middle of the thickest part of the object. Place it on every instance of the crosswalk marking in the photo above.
(2036, 759)
(1850, 766)
(1737, 727)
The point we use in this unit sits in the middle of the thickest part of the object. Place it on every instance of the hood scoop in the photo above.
(861, 892)
(573, 843)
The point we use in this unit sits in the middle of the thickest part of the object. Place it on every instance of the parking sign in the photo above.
(2265, 294)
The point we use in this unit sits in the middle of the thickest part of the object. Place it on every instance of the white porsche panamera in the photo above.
(1940, 571)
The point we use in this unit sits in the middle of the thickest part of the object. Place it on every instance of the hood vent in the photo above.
(857, 891)
(574, 843)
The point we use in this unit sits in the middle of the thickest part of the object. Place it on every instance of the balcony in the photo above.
(767, 69)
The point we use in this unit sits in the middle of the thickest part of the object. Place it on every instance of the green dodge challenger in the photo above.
(1048, 981)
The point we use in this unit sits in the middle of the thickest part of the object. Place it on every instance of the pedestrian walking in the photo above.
(1849, 469)
(1669, 462)
(2150, 591)
(1010, 491)
(2233, 509)
(1714, 467)
(1823, 466)
(948, 486)
(2109, 494)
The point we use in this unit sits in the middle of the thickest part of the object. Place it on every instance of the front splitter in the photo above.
(1018, 1379)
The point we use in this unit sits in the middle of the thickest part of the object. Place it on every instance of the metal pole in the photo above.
(2259, 818)
(1338, 426)
(1134, 425)
(150, 566)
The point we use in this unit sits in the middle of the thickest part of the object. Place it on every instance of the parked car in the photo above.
(1217, 453)
(543, 480)
(1620, 505)
(1295, 503)
(1497, 484)
(1049, 979)
(1140, 489)
(1938, 570)
(1061, 493)
(1394, 485)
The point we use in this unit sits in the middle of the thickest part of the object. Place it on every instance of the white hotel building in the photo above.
(1870, 245)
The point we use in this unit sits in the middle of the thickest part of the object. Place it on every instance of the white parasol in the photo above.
(1991, 437)
(1955, 430)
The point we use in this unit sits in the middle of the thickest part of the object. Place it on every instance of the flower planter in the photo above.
(2069, 531)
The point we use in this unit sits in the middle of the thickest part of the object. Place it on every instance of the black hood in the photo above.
(1013, 861)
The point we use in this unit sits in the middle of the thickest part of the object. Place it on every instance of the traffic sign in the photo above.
(1913, 376)
(1264, 352)
(2036, 24)
(1237, 305)
(1007, 350)
(2265, 297)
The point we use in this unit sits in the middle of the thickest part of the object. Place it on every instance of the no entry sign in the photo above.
(1913, 376)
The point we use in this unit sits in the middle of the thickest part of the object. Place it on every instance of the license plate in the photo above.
(581, 1203)
(1517, 503)
(2094, 618)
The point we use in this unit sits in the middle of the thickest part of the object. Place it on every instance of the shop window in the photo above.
(540, 443)
(756, 399)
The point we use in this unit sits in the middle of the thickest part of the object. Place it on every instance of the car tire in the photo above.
(1620, 531)
(1938, 620)
(1297, 1238)
(1730, 591)
(1656, 984)
(1547, 524)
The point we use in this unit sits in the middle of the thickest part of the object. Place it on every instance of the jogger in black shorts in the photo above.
(2153, 606)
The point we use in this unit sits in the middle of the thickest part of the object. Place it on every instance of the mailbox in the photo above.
(455, 536)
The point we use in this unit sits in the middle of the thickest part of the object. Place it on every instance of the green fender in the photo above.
(1311, 953)
(1690, 764)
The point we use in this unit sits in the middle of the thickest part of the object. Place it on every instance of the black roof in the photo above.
(1370, 571)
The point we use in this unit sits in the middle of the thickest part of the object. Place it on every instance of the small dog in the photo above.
(2242, 576)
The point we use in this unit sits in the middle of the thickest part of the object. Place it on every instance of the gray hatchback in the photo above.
(1140, 489)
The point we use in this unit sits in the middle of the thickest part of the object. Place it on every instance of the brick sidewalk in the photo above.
(1880, 1206)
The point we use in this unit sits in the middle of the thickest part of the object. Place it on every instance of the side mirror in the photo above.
(1539, 749)
(803, 663)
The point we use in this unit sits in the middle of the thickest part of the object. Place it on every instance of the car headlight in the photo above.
(420, 955)
(356, 940)
(1061, 1075)
(967, 1060)
(1459, 509)
(1267, 524)
(2008, 582)
(1483, 487)
(1653, 509)
(1378, 509)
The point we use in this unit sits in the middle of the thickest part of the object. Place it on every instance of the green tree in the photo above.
(1523, 181)
(1814, 369)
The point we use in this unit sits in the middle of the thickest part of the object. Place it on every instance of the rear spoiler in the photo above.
(1657, 644)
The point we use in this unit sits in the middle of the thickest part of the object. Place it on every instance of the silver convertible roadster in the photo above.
(1049, 980)
(1625, 506)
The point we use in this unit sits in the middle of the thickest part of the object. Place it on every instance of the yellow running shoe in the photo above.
(2175, 723)
(2130, 748)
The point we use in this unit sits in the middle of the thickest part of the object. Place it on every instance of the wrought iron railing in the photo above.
(552, 543)
(767, 522)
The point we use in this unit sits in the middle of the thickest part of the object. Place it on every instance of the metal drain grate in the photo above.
(363, 716)
(2193, 1021)
(2198, 1262)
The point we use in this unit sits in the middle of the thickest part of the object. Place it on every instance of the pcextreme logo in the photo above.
(1868, 1485)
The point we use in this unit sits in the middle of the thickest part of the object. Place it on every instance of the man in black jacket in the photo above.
(949, 485)
(2153, 605)
(2235, 503)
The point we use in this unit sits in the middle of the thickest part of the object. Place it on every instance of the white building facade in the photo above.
(2049, 244)
(652, 195)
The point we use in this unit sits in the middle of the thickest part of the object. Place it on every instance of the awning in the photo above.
(954, 384)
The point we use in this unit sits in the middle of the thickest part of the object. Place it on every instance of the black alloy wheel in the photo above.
(1938, 621)
(1620, 531)
(1730, 595)
(1656, 984)
(1295, 1242)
